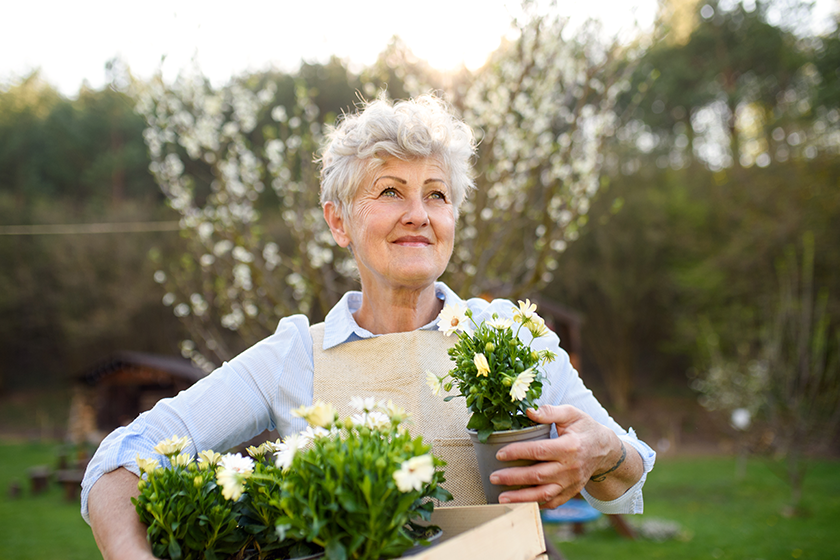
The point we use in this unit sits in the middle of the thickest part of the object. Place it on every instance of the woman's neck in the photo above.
(393, 311)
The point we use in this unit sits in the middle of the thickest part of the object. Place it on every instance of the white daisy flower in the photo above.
(367, 404)
(499, 323)
(233, 470)
(453, 318)
(414, 473)
(520, 385)
(286, 451)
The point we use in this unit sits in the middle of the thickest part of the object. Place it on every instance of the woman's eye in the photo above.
(438, 195)
(389, 192)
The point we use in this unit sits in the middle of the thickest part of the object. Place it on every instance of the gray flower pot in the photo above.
(486, 455)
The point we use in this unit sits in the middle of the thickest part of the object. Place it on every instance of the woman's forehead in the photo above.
(420, 169)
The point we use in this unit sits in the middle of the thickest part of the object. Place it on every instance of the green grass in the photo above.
(39, 527)
(718, 516)
(722, 517)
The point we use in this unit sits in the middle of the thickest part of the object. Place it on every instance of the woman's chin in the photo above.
(410, 278)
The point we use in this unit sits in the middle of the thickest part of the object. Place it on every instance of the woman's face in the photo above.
(401, 226)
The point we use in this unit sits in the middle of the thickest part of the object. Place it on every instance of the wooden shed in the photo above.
(112, 392)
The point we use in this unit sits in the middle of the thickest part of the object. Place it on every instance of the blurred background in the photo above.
(662, 177)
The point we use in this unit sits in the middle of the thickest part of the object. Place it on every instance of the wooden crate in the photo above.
(491, 532)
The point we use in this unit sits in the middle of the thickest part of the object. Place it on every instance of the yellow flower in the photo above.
(537, 326)
(182, 460)
(397, 414)
(146, 465)
(208, 458)
(525, 311)
(453, 318)
(481, 364)
(521, 384)
(434, 382)
(172, 446)
(319, 414)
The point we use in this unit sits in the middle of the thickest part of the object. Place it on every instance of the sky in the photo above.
(70, 42)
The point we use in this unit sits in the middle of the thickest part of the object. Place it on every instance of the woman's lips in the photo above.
(413, 241)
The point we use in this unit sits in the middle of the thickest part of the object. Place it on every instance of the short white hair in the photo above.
(422, 127)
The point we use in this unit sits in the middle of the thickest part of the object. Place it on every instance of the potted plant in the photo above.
(500, 378)
(357, 488)
(183, 506)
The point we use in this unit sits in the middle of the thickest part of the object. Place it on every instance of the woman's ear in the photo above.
(337, 223)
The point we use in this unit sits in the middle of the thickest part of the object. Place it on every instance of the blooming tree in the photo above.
(217, 155)
(543, 106)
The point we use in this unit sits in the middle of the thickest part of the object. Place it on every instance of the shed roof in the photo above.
(175, 366)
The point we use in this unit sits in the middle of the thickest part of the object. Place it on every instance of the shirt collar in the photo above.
(341, 327)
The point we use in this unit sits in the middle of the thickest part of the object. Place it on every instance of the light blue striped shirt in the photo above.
(257, 390)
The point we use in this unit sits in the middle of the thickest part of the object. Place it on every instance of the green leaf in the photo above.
(502, 423)
(174, 550)
(478, 422)
(335, 550)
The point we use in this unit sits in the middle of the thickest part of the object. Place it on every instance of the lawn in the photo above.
(717, 516)
(39, 527)
(708, 513)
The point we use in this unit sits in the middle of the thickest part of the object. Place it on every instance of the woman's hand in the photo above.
(583, 449)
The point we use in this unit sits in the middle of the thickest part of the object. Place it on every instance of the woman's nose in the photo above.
(415, 212)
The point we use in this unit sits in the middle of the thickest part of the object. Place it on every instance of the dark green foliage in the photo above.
(85, 150)
(340, 494)
(187, 516)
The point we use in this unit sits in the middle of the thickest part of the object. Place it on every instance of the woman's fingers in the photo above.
(532, 475)
(540, 474)
(566, 449)
(547, 495)
(561, 415)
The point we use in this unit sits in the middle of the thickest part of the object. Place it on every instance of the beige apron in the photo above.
(393, 366)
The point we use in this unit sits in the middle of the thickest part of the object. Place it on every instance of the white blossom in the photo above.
(453, 318)
(414, 473)
(520, 386)
(231, 474)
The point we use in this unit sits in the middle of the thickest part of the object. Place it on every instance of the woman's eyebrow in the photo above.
(397, 179)
(403, 181)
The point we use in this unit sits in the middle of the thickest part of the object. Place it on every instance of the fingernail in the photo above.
(504, 500)
(494, 479)
(501, 456)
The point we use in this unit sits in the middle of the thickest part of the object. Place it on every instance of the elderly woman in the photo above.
(393, 178)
